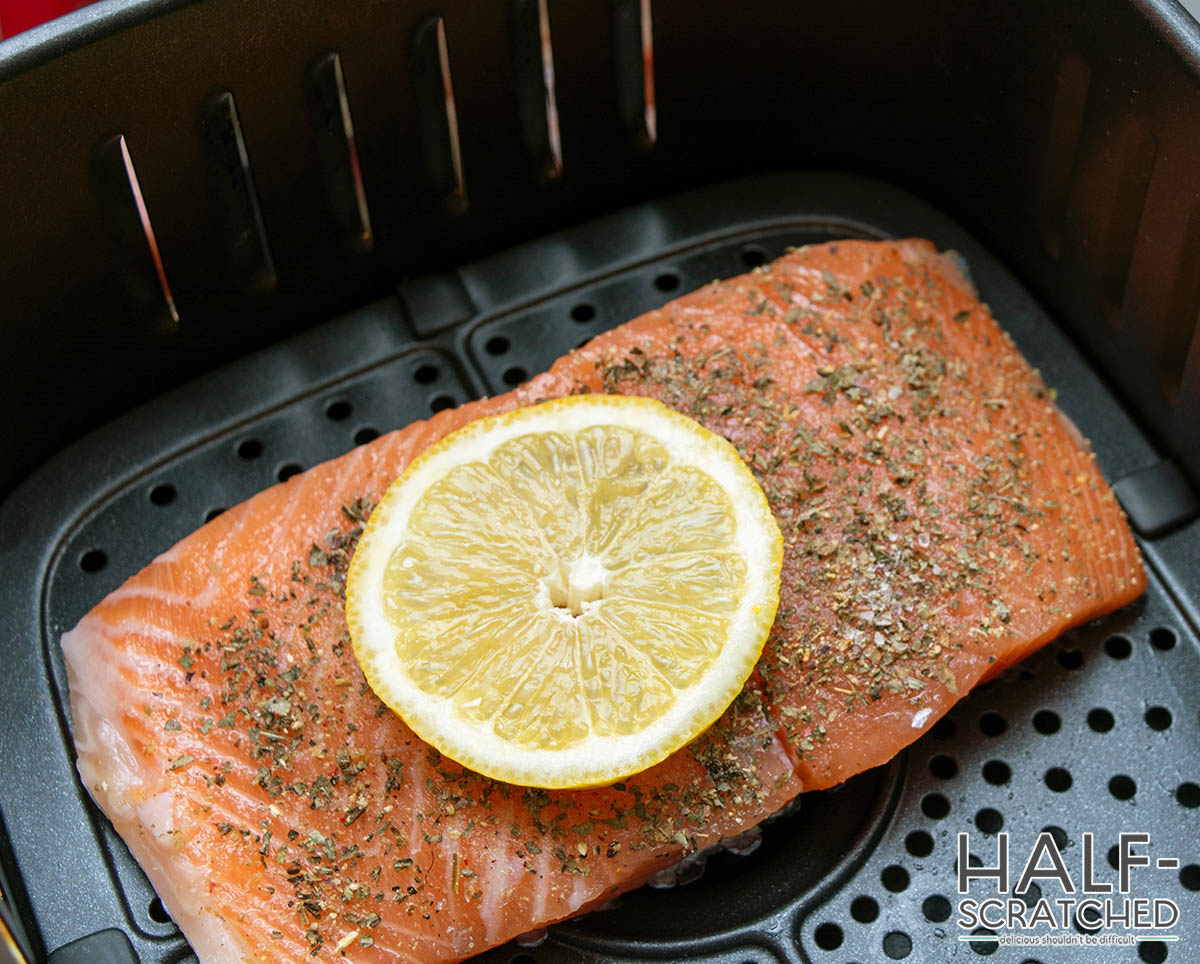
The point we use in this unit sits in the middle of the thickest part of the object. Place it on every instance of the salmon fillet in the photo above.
(941, 519)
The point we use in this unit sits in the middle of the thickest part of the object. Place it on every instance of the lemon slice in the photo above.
(563, 595)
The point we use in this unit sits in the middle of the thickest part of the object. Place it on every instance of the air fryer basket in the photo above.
(198, 187)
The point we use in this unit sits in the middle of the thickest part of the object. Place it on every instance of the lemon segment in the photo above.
(563, 595)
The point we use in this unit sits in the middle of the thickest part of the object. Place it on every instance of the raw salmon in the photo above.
(941, 519)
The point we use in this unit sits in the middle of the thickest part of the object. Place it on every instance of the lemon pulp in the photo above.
(565, 594)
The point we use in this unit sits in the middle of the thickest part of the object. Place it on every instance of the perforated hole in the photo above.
(213, 513)
(943, 767)
(366, 434)
(441, 402)
(287, 470)
(93, 560)
(1162, 638)
(523, 959)
(897, 945)
(1060, 836)
(992, 723)
(514, 375)
(1188, 795)
(753, 256)
(990, 821)
(1070, 658)
(894, 878)
(667, 281)
(583, 312)
(1189, 876)
(944, 729)
(426, 374)
(972, 861)
(1087, 920)
(1058, 779)
(919, 843)
(935, 806)
(158, 913)
(1118, 647)
(1152, 952)
(1114, 857)
(984, 948)
(1100, 720)
(163, 494)
(997, 772)
(338, 410)
(497, 345)
(1122, 787)
(1158, 718)
(828, 937)
(1047, 722)
(249, 449)
(864, 909)
(935, 908)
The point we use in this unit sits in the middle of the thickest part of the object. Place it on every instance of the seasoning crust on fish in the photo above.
(941, 518)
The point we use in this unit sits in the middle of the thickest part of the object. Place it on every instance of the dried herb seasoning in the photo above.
(899, 532)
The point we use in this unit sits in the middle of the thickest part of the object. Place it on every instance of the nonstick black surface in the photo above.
(1097, 732)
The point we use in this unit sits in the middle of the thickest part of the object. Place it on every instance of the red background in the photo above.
(18, 15)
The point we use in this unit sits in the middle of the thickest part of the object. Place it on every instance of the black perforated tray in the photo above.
(862, 873)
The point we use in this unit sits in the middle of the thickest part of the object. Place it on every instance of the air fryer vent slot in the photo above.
(533, 69)
(1067, 110)
(633, 58)
(437, 113)
(233, 185)
(129, 221)
(1136, 150)
(337, 152)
